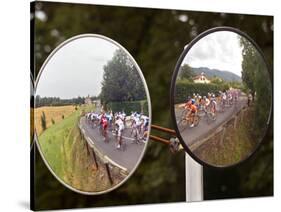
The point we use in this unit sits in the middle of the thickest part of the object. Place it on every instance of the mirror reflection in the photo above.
(92, 114)
(222, 98)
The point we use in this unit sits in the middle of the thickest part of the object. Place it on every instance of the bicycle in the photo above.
(211, 115)
(187, 119)
(136, 135)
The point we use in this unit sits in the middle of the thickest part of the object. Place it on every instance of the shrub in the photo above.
(43, 121)
(129, 106)
(183, 89)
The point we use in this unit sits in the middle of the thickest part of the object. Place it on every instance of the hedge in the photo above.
(129, 106)
(183, 89)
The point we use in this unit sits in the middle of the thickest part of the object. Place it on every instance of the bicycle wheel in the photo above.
(201, 113)
(196, 120)
(183, 114)
(182, 124)
(210, 117)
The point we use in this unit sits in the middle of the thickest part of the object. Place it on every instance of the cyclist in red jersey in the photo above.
(104, 124)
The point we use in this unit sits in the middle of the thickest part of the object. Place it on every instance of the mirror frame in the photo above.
(173, 85)
(31, 106)
(36, 140)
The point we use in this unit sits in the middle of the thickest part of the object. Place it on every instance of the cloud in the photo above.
(219, 50)
(76, 69)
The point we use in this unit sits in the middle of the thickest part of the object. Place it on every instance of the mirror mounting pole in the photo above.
(194, 171)
(194, 180)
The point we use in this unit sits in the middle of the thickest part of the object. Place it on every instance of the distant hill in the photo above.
(225, 75)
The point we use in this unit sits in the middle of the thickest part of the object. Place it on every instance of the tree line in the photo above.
(255, 76)
(56, 101)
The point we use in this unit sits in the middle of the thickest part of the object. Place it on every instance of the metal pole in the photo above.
(194, 180)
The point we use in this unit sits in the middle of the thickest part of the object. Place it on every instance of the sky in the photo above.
(76, 69)
(219, 50)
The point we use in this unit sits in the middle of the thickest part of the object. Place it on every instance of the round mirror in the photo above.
(221, 97)
(92, 114)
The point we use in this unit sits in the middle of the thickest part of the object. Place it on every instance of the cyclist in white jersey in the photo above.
(120, 128)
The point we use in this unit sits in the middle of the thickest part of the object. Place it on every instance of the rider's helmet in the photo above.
(193, 101)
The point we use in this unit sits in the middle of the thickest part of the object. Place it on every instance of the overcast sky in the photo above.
(76, 69)
(219, 50)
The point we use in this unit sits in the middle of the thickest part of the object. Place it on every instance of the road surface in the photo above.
(191, 135)
(126, 158)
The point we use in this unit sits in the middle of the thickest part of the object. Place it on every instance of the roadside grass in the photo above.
(66, 153)
(237, 144)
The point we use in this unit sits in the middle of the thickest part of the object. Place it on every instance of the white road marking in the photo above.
(115, 164)
(88, 138)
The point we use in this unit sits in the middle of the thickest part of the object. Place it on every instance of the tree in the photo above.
(43, 121)
(121, 80)
(217, 80)
(186, 72)
(256, 77)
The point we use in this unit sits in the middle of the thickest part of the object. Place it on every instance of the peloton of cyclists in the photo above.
(210, 102)
(117, 123)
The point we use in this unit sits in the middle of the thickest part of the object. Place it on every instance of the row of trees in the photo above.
(185, 85)
(256, 78)
(56, 101)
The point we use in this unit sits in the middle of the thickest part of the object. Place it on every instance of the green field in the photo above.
(66, 154)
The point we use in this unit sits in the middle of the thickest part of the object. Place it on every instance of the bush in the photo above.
(183, 89)
(128, 106)
(43, 121)
(53, 121)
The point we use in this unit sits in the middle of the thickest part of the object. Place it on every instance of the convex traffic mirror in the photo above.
(92, 114)
(221, 97)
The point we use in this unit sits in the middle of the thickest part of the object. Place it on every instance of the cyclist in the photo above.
(192, 110)
(136, 126)
(103, 125)
(199, 102)
(213, 104)
(229, 98)
(144, 126)
(224, 99)
(120, 128)
(206, 102)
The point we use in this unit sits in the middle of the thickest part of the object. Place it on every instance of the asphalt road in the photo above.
(126, 158)
(191, 135)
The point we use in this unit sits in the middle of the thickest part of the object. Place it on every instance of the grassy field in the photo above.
(51, 112)
(66, 152)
